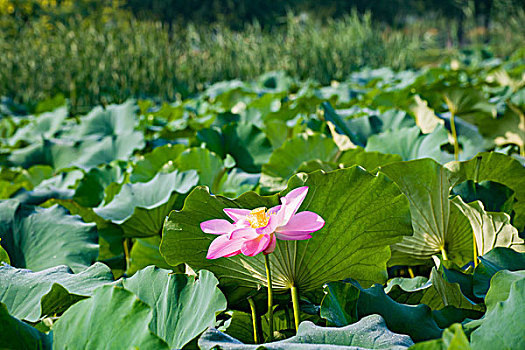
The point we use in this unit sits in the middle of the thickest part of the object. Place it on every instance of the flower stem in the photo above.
(126, 245)
(270, 295)
(296, 309)
(476, 176)
(255, 320)
(521, 115)
(475, 249)
(455, 136)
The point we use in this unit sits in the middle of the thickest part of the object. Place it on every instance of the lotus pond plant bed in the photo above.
(386, 211)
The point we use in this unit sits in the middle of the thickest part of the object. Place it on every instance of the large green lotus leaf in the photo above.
(85, 154)
(208, 165)
(22, 290)
(409, 143)
(369, 333)
(500, 168)
(376, 123)
(183, 306)
(102, 136)
(248, 145)
(331, 116)
(93, 152)
(145, 252)
(496, 260)
(36, 233)
(17, 335)
(438, 225)
(150, 164)
(34, 176)
(414, 320)
(42, 153)
(112, 120)
(44, 125)
(57, 187)
(285, 160)
(453, 338)
(213, 139)
(140, 208)
(504, 323)
(360, 129)
(500, 285)
(113, 318)
(364, 214)
(494, 196)
(8, 210)
(491, 229)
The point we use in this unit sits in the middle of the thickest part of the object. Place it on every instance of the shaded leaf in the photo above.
(248, 145)
(494, 196)
(496, 260)
(339, 305)
(16, 335)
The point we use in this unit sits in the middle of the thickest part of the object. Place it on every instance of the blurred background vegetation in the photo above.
(103, 51)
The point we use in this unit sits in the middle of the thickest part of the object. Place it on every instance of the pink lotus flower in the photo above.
(257, 230)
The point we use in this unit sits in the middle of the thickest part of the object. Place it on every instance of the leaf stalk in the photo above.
(255, 321)
(270, 295)
(453, 127)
